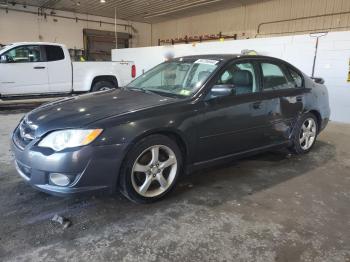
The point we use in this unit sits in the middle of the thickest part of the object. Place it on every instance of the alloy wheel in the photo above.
(154, 171)
(308, 133)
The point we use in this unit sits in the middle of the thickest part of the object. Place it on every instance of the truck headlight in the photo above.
(62, 139)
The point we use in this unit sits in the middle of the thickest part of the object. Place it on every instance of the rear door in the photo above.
(25, 71)
(283, 93)
(59, 69)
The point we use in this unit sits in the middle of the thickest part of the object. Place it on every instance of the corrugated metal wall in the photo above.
(244, 20)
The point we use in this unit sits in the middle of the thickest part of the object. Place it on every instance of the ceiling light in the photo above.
(102, 1)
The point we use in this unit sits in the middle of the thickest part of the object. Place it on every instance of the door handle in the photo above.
(39, 67)
(257, 105)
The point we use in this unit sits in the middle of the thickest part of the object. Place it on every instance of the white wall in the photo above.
(19, 26)
(332, 62)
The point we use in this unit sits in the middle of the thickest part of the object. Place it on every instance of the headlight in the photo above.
(59, 140)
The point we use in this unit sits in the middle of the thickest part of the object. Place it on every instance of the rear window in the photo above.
(54, 53)
(274, 77)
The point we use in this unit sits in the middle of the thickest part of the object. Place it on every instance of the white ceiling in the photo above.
(135, 10)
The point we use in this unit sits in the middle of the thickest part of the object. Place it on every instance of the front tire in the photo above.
(151, 169)
(305, 134)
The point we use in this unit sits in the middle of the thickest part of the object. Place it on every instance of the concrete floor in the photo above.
(264, 208)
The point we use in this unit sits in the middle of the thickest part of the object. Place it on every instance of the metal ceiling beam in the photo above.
(184, 7)
(136, 10)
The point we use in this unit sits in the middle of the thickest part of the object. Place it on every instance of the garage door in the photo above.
(98, 44)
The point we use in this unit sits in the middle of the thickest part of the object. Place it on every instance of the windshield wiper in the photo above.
(140, 89)
(153, 91)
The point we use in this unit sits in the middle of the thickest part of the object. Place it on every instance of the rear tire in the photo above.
(304, 134)
(151, 169)
(102, 85)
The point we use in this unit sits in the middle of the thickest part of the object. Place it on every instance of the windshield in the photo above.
(181, 77)
(4, 46)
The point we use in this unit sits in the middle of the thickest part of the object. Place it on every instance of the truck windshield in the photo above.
(181, 77)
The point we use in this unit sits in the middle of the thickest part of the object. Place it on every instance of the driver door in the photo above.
(234, 122)
(24, 71)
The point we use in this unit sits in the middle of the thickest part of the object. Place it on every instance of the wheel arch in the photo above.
(175, 135)
(318, 117)
(110, 78)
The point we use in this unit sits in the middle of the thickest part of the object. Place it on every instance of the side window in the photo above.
(274, 78)
(54, 53)
(241, 76)
(24, 54)
(297, 78)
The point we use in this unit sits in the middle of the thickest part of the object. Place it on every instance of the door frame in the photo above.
(283, 94)
(231, 101)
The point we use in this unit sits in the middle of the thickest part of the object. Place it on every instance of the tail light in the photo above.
(133, 71)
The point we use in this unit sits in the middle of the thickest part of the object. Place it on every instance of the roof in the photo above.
(225, 57)
(35, 43)
(211, 56)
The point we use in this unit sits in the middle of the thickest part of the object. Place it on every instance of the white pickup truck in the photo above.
(44, 69)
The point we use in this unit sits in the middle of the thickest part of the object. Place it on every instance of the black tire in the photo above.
(102, 85)
(125, 179)
(296, 147)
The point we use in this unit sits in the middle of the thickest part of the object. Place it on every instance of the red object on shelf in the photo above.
(196, 38)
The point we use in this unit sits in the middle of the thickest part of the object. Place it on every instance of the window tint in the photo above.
(24, 54)
(241, 76)
(54, 53)
(274, 78)
(297, 78)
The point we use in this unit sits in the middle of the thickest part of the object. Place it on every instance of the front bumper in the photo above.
(91, 168)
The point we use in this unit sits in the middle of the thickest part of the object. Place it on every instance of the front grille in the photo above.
(23, 135)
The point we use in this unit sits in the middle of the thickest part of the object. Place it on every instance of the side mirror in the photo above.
(3, 59)
(221, 90)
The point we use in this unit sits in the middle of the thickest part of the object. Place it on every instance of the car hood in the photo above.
(79, 111)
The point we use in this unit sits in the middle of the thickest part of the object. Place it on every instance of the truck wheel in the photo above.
(102, 85)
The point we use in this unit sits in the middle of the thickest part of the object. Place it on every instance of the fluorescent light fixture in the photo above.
(102, 1)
